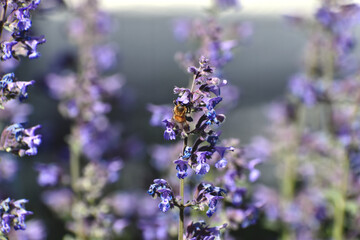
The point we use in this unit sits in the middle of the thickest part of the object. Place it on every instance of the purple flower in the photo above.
(213, 201)
(6, 220)
(181, 167)
(238, 196)
(222, 150)
(325, 16)
(259, 147)
(26, 47)
(251, 216)
(96, 137)
(206, 193)
(61, 86)
(119, 225)
(184, 95)
(160, 155)
(19, 140)
(202, 167)
(49, 174)
(211, 115)
(166, 197)
(155, 228)
(212, 102)
(169, 133)
(201, 231)
(105, 56)
(229, 179)
(303, 89)
(254, 173)
(187, 152)
(6, 49)
(19, 20)
(159, 113)
(182, 29)
(224, 4)
(59, 200)
(161, 189)
(213, 139)
(35, 230)
(8, 167)
(113, 168)
(221, 163)
(12, 214)
(31, 46)
(11, 89)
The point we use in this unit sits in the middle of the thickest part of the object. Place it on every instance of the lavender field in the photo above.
(196, 120)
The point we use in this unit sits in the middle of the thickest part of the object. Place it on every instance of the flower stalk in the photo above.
(181, 211)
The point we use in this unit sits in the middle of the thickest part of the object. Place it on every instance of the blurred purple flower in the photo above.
(8, 167)
(159, 113)
(302, 88)
(35, 230)
(59, 200)
(113, 168)
(105, 56)
(61, 86)
(182, 29)
(14, 111)
(154, 229)
(225, 4)
(49, 174)
(254, 173)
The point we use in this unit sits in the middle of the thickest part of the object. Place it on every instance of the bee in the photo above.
(180, 117)
(179, 113)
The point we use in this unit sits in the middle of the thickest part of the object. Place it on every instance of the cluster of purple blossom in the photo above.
(195, 118)
(16, 41)
(18, 22)
(196, 104)
(78, 196)
(315, 134)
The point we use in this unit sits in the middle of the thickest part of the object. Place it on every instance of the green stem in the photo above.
(74, 161)
(288, 187)
(339, 204)
(182, 207)
(290, 175)
(181, 211)
(329, 57)
(75, 151)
